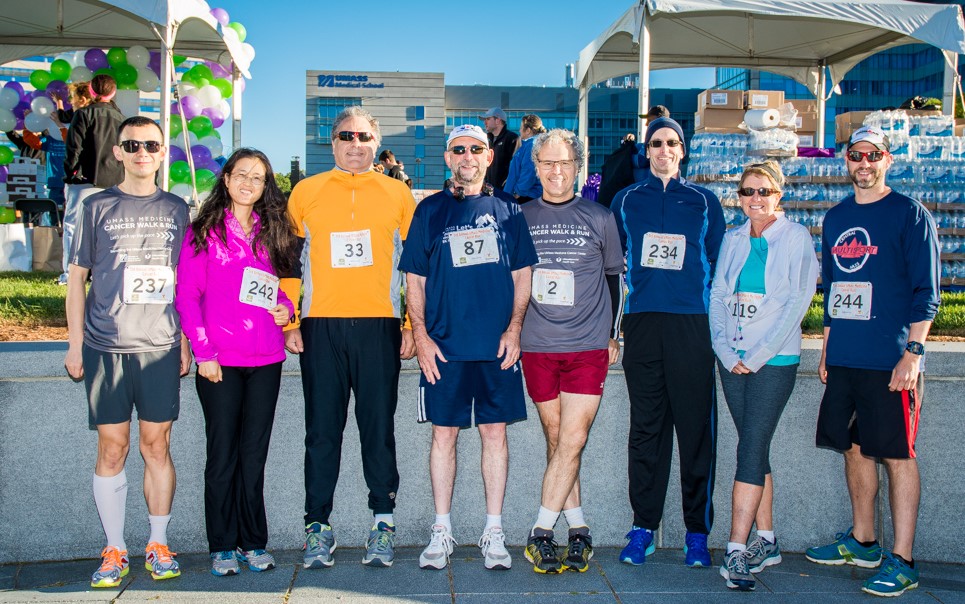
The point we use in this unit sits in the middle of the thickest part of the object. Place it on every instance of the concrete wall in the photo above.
(47, 453)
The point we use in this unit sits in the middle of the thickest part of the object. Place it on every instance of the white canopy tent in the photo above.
(815, 42)
(185, 27)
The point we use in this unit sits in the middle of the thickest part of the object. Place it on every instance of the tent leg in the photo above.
(951, 79)
(822, 99)
(167, 74)
(582, 121)
(643, 102)
(235, 107)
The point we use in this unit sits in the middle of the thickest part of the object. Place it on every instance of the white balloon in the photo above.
(248, 50)
(182, 190)
(9, 98)
(147, 80)
(69, 57)
(187, 89)
(209, 96)
(224, 109)
(35, 122)
(8, 121)
(79, 59)
(53, 130)
(230, 34)
(138, 56)
(179, 141)
(42, 106)
(81, 74)
(213, 143)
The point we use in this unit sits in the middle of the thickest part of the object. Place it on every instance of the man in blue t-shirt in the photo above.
(880, 272)
(468, 259)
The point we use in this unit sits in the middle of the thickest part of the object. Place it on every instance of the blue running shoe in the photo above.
(696, 553)
(846, 550)
(319, 546)
(639, 546)
(894, 578)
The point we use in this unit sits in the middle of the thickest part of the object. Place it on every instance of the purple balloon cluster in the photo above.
(15, 100)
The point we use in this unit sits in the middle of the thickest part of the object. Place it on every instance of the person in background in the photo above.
(232, 311)
(79, 96)
(627, 164)
(502, 141)
(765, 279)
(522, 182)
(391, 167)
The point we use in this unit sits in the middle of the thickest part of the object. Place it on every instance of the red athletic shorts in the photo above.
(549, 373)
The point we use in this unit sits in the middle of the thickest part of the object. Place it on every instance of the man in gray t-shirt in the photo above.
(125, 342)
(569, 337)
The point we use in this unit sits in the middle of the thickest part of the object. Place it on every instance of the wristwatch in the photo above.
(915, 348)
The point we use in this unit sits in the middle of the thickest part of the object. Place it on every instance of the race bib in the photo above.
(664, 251)
(850, 300)
(555, 287)
(352, 249)
(259, 288)
(148, 284)
(744, 306)
(475, 246)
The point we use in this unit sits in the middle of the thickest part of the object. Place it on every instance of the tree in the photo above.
(284, 183)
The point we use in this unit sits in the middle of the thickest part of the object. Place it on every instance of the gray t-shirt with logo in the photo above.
(131, 245)
(569, 308)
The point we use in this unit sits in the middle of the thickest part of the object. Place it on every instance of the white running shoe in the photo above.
(436, 554)
(493, 546)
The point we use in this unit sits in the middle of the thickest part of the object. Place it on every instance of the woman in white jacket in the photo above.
(765, 279)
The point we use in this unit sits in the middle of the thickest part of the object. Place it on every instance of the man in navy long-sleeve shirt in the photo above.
(880, 271)
(671, 231)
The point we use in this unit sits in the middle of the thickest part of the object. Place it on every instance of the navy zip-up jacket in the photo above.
(682, 209)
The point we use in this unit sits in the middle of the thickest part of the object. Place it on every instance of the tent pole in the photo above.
(951, 78)
(167, 43)
(822, 104)
(643, 102)
(582, 121)
(235, 107)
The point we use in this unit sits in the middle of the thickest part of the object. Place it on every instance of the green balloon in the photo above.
(126, 74)
(60, 70)
(223, 86)
(7, 215)
(180, 172)
(174, 126)
(178, 59)
(6, 155)
(202, 71)
(205, 179)
(238, 27)
(40, 78)
(126, 86)
(201, 82)
(201, 126)
(116, 57)
(106, 71)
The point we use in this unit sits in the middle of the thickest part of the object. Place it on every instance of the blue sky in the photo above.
(497, 42)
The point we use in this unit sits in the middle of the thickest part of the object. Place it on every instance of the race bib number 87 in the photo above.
(475, 246)
(850, 300)
(146, 284)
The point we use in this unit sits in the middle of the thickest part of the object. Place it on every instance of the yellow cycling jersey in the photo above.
(353, 226)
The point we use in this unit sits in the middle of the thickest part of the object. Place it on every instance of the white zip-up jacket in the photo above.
(790, 278)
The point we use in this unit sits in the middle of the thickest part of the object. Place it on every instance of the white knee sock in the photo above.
(110, 497)
(546, 519)
(574, 517)
(159, 529)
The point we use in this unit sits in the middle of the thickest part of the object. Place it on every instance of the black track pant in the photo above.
(669, 367)
(342, 356)
(238, 416)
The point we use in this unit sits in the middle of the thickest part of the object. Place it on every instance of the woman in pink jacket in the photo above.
(232, 311)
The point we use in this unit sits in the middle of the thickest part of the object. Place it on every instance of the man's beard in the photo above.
(458, 178)
(875, 178)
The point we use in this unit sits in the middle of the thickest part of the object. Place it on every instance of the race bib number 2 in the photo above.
(554, 287)
(850, 300)
(475, 246)
(148, 284)
(663, 251)
(352, 249)
(259, 288)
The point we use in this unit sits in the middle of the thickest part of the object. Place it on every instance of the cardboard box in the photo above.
(806, 122)
(806, 139)
(804, 105)
(718, 118)
(846, 123)
(960, 130)
(720, 99)
(763, 99)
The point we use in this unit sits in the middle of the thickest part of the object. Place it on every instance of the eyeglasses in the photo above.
(548, 164)
(461, 150)
(133, 146)
(348, 135)
(672, 143)
(873, 156)
(257, 181)
(762, 191)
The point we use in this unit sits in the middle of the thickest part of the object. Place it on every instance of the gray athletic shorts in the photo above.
(119, 382)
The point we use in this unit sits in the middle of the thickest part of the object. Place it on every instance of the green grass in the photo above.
(949, 322)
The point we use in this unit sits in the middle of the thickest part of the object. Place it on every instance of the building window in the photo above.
(420, 151)
(419, 133)
(325, 112)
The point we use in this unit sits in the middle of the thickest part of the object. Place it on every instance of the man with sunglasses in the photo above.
(349, 336)
(671, 232)
(880, 272)
(125, 341)
(467, 264)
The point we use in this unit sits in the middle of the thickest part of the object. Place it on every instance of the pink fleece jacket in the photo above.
(218, 325)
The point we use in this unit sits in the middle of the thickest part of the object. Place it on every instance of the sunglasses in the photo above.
(133, 146)
(348, 135)
(763, 192)
(673, 143)
(873, 156)
(461, 150)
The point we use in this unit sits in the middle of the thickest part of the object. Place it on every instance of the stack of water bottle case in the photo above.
(929, 165)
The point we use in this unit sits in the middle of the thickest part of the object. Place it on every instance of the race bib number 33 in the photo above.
(146, 284)
(663, 251)
(850, 300)
(352, 249)
(475, 246)
(259, 288)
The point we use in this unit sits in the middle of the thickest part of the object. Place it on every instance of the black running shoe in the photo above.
(579, 550)
(541, 551)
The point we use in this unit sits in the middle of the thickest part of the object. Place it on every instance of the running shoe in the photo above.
(846, 550)
(114, 567)
(319, 546)
(639, 546)
(736, 572)
(894, 578)
(258, 559)
(761, 553)
(541, 552)
(696, 554)
(160, 561)
(493, 546)
(579, 550)
(436, 554)
(380, 547)
(224, 564)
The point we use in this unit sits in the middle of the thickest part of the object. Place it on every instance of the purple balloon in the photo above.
(19, 125)
(95, 59)
(18, 111)
(191, 107)
(177, 154)
(57, 86)
(221, 15)
(3, 174)
(211, 165)
(15, 86)
(201, 155)
(175, 108)
(37, 94)
(214, 115)
(218, 70)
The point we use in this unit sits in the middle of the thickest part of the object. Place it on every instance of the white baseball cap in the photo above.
(870, 134)
(468, 130)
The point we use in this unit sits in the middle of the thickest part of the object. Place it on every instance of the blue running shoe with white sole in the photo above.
(258, 559)
(639, 546)
(696, 554)
(380, 546)
(894, 578)
(846, 550)
(319, 546)
(761, 553)
(224, 563)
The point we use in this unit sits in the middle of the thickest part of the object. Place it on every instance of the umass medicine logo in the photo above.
(852, 249)
(347, 81)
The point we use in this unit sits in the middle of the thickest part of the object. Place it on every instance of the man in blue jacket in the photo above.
(671, 231)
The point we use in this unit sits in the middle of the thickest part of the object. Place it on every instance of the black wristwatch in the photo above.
(915, 348)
